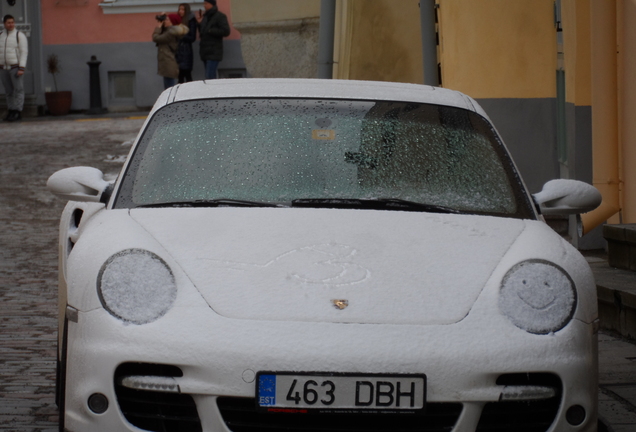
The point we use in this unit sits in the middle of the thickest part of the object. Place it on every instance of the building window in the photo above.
(144, 6)
(19, 12)
(121, 88)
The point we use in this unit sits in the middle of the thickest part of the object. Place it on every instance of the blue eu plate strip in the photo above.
(267, 390)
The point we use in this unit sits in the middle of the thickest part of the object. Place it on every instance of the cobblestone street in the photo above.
(29, 216)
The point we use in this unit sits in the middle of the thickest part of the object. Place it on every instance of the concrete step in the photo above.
(616, 291)
(621, 245)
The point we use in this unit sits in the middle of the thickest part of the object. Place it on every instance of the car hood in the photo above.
(326, 265)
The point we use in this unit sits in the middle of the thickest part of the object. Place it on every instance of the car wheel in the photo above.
(60, 378)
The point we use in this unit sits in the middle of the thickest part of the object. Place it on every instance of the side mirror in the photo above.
(565, 197)
(78, 184)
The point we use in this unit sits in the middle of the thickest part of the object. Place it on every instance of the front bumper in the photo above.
(219, 357)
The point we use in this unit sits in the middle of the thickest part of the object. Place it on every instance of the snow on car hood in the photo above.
(355, 266)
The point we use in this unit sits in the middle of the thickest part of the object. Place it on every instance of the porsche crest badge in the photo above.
(340, 303)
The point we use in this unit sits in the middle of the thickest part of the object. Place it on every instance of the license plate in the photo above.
(301, 392)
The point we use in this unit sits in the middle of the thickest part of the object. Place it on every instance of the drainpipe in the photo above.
(326, 38)
(605, 135)
(429, 42)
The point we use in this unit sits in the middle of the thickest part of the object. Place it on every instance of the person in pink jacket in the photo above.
(14, 49)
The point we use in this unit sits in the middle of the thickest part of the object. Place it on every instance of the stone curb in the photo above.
(616, 291)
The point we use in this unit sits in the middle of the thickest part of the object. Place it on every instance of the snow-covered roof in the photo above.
(317, 88)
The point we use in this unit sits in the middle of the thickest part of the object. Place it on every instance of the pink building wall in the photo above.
(87, 24)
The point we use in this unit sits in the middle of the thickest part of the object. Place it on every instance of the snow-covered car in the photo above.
(321, 255)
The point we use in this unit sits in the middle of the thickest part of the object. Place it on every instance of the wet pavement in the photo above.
(30, 152)
(29, 216)
(617, 382)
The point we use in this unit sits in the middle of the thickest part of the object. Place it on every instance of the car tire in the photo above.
(60, 379)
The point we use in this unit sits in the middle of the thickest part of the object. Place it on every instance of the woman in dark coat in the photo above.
(184, 54)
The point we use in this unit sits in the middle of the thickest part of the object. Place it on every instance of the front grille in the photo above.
(240, 415)
(531, 416)
(156, 411)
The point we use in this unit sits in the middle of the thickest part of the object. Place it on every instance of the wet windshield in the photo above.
(281, 151)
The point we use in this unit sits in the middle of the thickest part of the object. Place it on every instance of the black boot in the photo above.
(15, 116)
(8, 116)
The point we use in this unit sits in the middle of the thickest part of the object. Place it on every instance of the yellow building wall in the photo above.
(379, 40)
(498, 48)
(577, 50)
(273, 10)
(627, 93)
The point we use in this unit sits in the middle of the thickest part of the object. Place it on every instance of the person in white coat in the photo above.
(14, 49)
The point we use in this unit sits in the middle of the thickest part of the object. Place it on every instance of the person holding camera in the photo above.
(213, 27)
(166, 36)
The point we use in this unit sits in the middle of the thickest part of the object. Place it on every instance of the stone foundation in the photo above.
(280, 49)
(30, 106)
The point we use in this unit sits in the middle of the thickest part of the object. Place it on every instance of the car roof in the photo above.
(315, 88)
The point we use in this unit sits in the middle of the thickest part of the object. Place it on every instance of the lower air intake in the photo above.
(156, 411)
(240, 415)
(530, 416)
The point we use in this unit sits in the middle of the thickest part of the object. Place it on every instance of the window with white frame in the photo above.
(143, 6)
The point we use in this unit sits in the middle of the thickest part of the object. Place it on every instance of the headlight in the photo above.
(136, 286)
(538, 297)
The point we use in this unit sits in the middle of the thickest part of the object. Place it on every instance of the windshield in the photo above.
(277, 151)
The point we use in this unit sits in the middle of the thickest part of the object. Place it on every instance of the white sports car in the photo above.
(307, 255)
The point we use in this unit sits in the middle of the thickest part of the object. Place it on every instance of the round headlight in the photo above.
(538, 297)
(136, 286)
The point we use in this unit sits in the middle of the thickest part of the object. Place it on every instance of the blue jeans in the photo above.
(210, 69)
(168, 82)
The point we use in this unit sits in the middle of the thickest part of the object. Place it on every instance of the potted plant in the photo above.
(58, 102)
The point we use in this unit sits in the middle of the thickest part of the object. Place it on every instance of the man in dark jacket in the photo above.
(213, 27)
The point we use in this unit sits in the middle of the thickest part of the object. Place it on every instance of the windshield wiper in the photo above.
(221, 202)
(340, 203)
(372, 204)
(400, 204)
